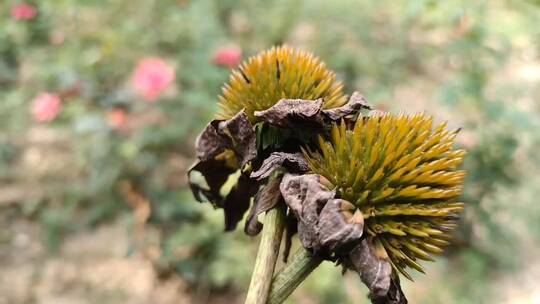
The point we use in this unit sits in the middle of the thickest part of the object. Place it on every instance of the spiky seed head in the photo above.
(281, 72)
(402, 175)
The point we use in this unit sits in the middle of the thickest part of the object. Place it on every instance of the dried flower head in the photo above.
(278, 73)
(402, 175)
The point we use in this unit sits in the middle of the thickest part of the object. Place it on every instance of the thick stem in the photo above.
(294, 273)
(274, 223)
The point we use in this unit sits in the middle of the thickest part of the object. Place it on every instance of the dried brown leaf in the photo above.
(293, 162)
(356, 103)
(308, 114)
(237, 201)
(235, 134)
(215, 174)
(292, 113)
(337, 226)
(267, 198)
(305, 196)
(372, 265)
(209, 143)
(394, 296)
(325, 224)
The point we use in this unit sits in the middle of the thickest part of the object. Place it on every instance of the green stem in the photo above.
(274, 223)
(286, 281)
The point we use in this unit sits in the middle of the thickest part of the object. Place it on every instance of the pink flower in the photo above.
(227, 56)
(23, 11)
(46, 107)
(152, 77)
(117, 119)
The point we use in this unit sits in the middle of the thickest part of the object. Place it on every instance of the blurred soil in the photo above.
(90, 267)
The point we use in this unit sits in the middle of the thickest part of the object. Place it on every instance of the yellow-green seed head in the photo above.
(281, 72)
(402, 174)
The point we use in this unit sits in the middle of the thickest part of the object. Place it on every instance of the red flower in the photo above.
(23, 11)
(152, 77)
(46, 107)
(117, 119)
(227, 56)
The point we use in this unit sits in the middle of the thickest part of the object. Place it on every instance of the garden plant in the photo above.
(371, 191)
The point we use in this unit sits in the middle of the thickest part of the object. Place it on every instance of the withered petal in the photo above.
(294, 162)
(375, 270)
(215, 174)
(237, 201)
(301, 113)
(356, 103)
(267, 198)
(291, 228)
(305, 196)
(325, 224)
(242, 135)
(291, 113)
(236, 134)
(394, 296)
(209, 143)
(335, 229)
(304, 192)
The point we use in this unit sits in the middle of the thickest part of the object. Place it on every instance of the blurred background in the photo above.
(100, 102)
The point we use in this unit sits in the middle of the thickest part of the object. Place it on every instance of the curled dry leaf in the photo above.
(338, 225)
(291, 228)
(267, 198)
(394, 296)
(356, 103)
(325, 224)
(237, 201)
(371, 262)
(300, 113)
(223, 148)
(206, 179)
(209, 143)
(209, 181)
(333, 227)
(305, 195)
(292, 113)
(293, 162)
(235, 134)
